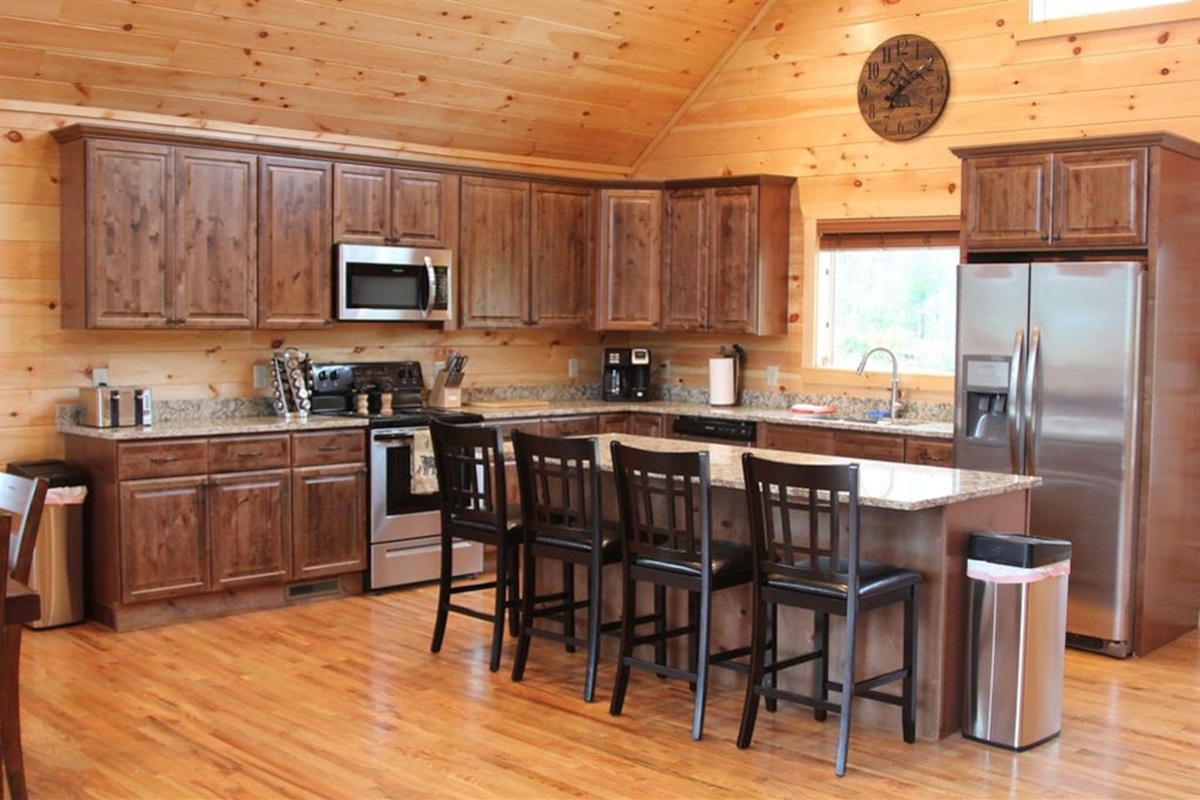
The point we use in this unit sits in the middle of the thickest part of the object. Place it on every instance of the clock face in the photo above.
(903, 87)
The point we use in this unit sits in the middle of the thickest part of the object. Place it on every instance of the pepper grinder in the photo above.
(360, 404)
(385, 404)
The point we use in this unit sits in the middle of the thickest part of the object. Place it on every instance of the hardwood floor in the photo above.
(342, 699)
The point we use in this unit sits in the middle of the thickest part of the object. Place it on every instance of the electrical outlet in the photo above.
(666, 370)
(438, 366)
(261, 376)
(99, 376)
(572, 367)
(772, 375)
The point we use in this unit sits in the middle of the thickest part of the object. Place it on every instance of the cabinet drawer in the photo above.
(162, 459)
(878, 447)
(506, 427)
(242, 453)
(328, 447)
(571, 426)
(797, 439)
(933, 452)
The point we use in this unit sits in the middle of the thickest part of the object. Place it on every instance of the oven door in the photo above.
(396, 512)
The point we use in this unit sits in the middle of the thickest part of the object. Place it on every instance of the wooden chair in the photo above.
(474, 506)
(806, 555)
(21, 499)
(667, 541)
(561, 516)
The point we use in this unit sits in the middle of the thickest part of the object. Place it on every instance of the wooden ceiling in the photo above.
(587, 82)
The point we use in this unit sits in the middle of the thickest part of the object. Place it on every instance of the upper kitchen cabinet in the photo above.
(629, 283)
(384, 205)
(295, 266)
(726, 256)
(1023, 198)
(156, 236)
(525, 254)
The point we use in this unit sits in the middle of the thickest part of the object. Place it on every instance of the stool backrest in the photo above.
(470, 471)
(803, 519)
(664, 500)
(559, 482)
(22, 499)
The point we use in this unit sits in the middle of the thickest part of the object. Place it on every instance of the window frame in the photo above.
(1028, 31)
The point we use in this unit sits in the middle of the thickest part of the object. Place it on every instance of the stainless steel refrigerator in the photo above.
(1047, 384)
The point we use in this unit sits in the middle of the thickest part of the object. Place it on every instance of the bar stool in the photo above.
(561, 507)
(474, 505)
(667, 541)
(798, 531)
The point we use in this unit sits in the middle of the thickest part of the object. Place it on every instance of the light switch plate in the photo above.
(572, 367)
(261, 376)
(772, 375)
(99, 376)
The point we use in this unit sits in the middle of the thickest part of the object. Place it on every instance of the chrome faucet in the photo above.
(862, 365)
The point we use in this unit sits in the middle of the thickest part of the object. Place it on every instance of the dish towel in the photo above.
(424, 470)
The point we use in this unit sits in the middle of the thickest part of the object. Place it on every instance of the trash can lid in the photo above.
(57, 473)
(1017, 550)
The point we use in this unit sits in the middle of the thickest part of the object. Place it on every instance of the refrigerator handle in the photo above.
(1011, 412)
(1033, 400)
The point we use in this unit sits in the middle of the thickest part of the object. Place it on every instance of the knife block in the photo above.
(443, 396)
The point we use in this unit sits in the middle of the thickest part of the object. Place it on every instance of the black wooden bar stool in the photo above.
(805, 535)
(474, 505)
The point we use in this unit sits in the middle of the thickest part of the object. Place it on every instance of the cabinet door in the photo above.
(796, 438)
(687, 260)
(494, 253)
(250, 527)
(295, 261)
(329, 520)
(1100, 198)
(646, 424)
(128, 250)
(164, 538)
(562, 256)
(424, 209)
(1006, 201)
(734, 268)
(630, 279)
(932, 452)
(215, 250)
(875, 446)
(613, 423)
(362, 197)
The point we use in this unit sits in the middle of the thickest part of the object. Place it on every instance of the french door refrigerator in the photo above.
(1047, 384)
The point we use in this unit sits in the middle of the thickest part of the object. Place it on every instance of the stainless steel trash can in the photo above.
(1016, 638)
(57, 570)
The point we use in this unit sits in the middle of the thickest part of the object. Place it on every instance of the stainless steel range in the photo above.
(404, 526)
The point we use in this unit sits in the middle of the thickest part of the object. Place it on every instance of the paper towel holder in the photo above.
(723, 391)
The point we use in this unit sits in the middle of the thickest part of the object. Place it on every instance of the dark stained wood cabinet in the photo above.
(250, 521)
(797, 438)
(1061, 200)
(385, 205)
(930, 452)
(873, 446)
(329, 503)
(494, 253)
(577, 425)
(164, 538)
(646, 424)
(155, 236)
(562, 253)
(295, 263)
(617, 422)
(629, 283)
(726, 256)
(857, 444)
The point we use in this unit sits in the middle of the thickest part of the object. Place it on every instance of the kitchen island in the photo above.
(917, 517)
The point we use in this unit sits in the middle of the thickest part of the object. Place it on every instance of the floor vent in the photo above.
(307, 591)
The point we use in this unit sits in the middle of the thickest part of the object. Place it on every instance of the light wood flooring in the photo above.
(342, 699)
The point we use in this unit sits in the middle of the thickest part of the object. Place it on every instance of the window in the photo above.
(1042, 10)
(887, 283)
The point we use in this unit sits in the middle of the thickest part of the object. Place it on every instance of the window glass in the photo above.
(894, 294)
(1042, 10)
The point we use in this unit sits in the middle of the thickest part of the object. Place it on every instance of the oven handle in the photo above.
(388, 438)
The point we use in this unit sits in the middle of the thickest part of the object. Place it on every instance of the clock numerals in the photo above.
(873, 70)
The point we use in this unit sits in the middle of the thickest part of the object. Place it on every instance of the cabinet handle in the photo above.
(163, 459)
(329, 448)
(252, 454)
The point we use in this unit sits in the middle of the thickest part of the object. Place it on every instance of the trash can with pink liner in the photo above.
(1016, 638)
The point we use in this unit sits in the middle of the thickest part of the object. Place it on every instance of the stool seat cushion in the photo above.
(873, 578)
(732, 563)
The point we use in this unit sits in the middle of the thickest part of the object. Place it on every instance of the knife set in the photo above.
(290, 377)
(446, 392)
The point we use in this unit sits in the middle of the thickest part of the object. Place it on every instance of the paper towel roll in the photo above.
(722, 382)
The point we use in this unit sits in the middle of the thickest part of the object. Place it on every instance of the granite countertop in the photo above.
(207, 425)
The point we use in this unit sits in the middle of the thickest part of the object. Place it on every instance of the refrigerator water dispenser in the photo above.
(986, 398)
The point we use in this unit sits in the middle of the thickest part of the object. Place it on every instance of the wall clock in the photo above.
(903, 87)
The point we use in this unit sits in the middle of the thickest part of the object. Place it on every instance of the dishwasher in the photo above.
(716, 430)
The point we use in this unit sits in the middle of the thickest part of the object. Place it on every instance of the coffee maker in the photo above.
(626, 374)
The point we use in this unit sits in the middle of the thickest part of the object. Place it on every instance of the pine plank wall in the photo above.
(782, 103)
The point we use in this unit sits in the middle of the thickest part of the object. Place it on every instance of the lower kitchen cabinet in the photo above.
(857, 444)
(931, 452)
(184, 529)
(646, 424)
(577, 425)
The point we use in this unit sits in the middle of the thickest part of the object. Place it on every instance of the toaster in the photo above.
(116, 406)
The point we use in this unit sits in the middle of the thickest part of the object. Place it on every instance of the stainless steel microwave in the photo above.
(383, 283)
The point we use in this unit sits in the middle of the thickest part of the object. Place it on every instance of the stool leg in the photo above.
(594, 608)
(628, 614)
(527, 601)
(504, 575)
(821, 668)
(660, 624)
(694, 617)
(568, 579)
(847, 690)
(910, 664)
(701, 656)
(770, 648)
(513, 602)
(10, 725)
(755, 679)
(443, 607)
